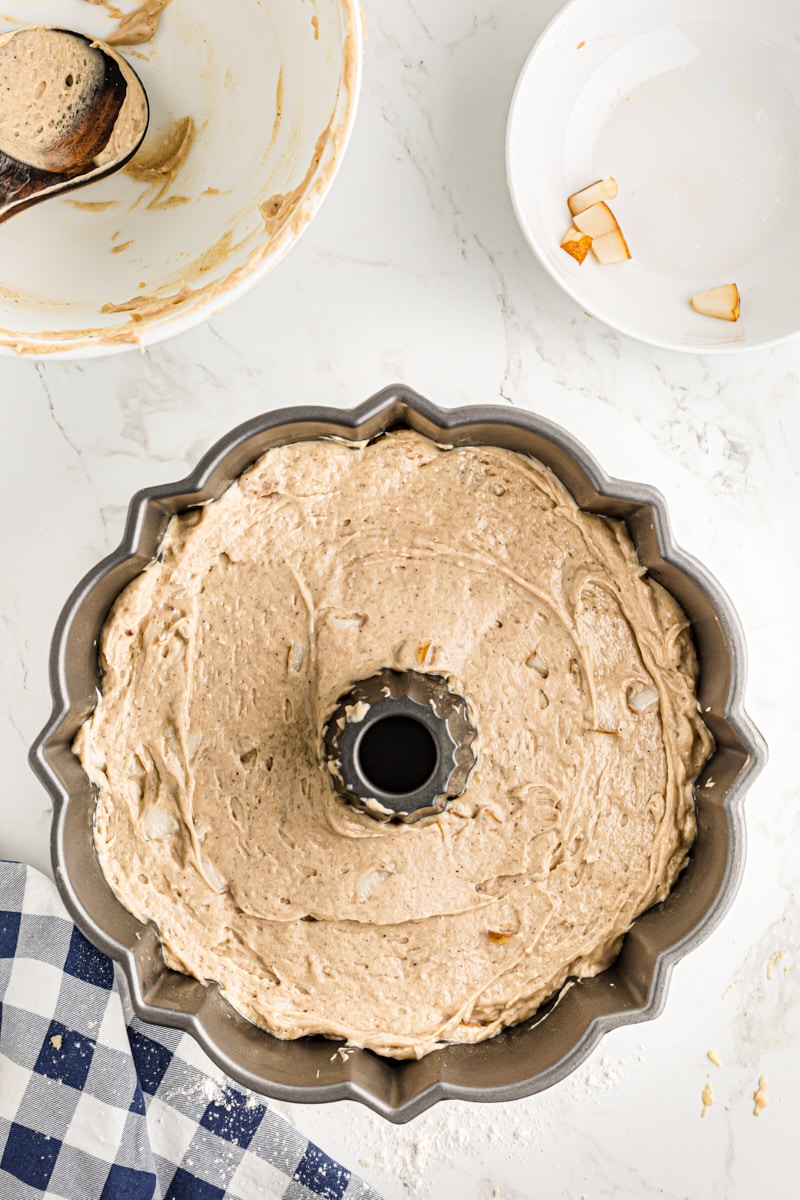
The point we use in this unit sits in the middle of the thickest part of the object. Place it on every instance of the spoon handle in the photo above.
(20, 183)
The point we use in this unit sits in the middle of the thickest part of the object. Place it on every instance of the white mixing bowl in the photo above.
(694, 107)
(271, 87)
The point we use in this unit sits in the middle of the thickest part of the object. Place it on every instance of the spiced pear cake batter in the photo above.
(324, 563)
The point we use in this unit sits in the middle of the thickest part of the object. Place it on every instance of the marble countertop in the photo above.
(415, 271)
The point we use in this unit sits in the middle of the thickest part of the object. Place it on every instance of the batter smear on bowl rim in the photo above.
(324, 564)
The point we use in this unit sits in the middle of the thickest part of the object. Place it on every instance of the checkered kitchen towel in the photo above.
(94, 1109)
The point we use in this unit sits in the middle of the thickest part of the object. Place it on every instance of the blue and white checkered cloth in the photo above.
(94, 1108)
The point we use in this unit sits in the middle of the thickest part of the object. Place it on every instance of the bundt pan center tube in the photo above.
(398, 745)
(411, 759)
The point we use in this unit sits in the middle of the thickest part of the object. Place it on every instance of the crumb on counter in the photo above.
(708, 1099)
(760, 1096)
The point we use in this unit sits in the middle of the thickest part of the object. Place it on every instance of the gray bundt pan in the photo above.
(521, 1060)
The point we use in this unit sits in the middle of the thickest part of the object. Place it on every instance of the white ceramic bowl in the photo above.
(694, 107)
(272, 88)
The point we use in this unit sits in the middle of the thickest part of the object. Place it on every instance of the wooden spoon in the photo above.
(72, 111)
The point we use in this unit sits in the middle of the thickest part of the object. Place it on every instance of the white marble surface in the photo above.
(414, 270)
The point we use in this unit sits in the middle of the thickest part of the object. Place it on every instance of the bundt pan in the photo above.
(521, 1060)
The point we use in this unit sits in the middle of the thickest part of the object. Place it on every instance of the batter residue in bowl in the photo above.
(216, 816)
(159, 162)
(139, 26)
